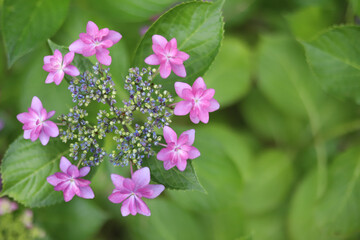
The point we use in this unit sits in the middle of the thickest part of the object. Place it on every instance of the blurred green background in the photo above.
(279, 159)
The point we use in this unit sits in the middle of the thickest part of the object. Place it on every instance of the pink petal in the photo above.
(113, 36)
(182, 139)
(106, 44)
(86, 192)
(78, 46)
(102, 33)
(129, 184)
(50, 114)
(181, 164)
(47, 59)
(159, 40)
(49, 68)
(50, 129)
(165, 69)
(117, 181)
(183, 108)
(27, 134)
(169, 164)
(171, 47)
(69, 193)
(208, 94)
(102, 55)
(165, 154)
(68, 58)
(180, 86)
(36, 105)
(29, 125)
(152, 191)
(44, 138)
(152, 60)
(199, 84)
(193, 153)
(128, 207)
(141, 177)
(35, 133)
(64, 164)
(204, 116)
(179, 70)
(62, 176)
(182, 55)
(82, 182)
(169, 135)
(73, 171)
(84, 171)
(43, 115)
(158, 50)
(50, 78)
(25, 117)
(176, 61)
(62, 186)
(71, 70)
(117, 197)
(141, 207)
(58, 77)
(92, 29)
(191, 136)
(53, 180)
(57, 55)
(194, 117)
(86, 38)
(214, 105)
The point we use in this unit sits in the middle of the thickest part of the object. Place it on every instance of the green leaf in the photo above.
(173, 178)
(82, 63)
(198, 29)
(272, 170)
(230, 73)
(336, 215)
(132, 11)
(26, 23)
(334, 58)
(78, 219)
(24, 170)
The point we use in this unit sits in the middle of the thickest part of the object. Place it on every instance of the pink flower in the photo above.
(168, 56)
(56, 67)
(178, 151)
(35, 124)
(130, 191)
(69, 181)
(198, 101)
(96, 41)
(7, 206)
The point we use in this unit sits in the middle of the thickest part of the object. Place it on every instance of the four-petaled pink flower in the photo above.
(168, 56)
(96, 41)
(130, 191)
(69, 181)
(56, 67)
(35, 124)
(198, 101)
(178, 151)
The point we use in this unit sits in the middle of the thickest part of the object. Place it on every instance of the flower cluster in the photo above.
(133, 124)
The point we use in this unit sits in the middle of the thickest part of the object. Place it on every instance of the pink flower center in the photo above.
(38, 122)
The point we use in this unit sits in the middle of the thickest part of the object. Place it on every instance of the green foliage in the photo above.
(12, 228)
(232, 65)
(79, 219)
(27, 23)
(173, 178)
(333, 57)
(198, 29)
(24, 170)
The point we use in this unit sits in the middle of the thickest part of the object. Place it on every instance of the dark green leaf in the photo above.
(24, 170)
(198, 29)
(26, 23)
(173, 178)
(334, 58)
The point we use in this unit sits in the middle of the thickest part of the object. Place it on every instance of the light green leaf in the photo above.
(230, 73)
(78, 219)
(26, 23)
(272, 170)
(173, 178)
(24, 170)
(198, 29)
(334, 58)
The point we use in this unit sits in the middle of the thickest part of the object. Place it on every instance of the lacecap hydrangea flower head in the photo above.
(134, 140)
